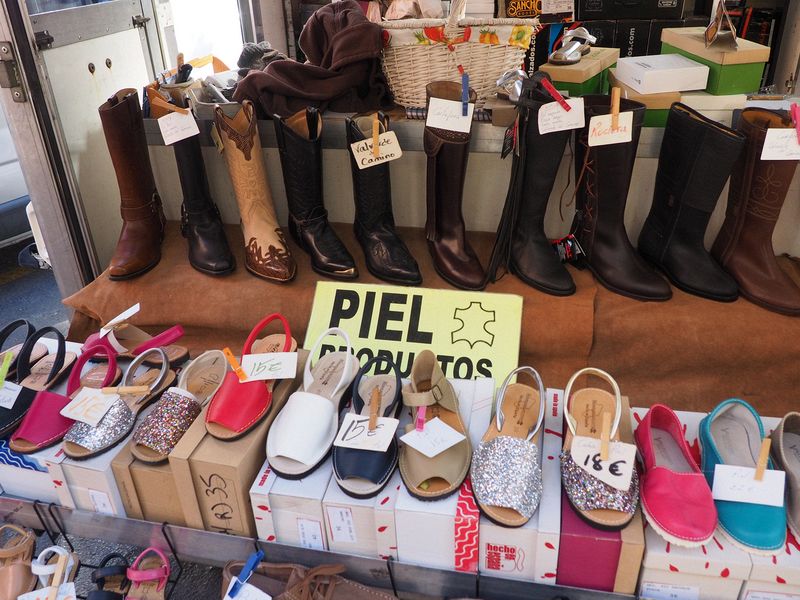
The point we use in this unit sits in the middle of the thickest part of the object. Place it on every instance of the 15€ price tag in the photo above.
(617, 471)
(601, 133)
(270, 365)
(89, 406)
(553, 117)
(354, 433)
(739, 484)
(388, 146)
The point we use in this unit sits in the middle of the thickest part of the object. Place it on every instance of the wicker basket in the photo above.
(409, 68)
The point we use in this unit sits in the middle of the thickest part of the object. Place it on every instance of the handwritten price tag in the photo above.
(120, 318)
(781, 144)
(388, 146)
(601, 133)
(247, 592)
(89, 406)
(177, 126)
(8, 394)
(738, 484)
(552, 117)
(66, 591)
(354, 433)
(617, 471)
(270, 365)
(435, 438)
(446, 114)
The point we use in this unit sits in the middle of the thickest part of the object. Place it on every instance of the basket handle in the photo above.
(457, 8)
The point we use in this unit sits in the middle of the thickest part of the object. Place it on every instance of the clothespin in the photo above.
(763, 457)
(246, 572)
(4, 368)
(376, 131)
(237, 368)
(126, 389)
(464, 91)
(555, 95)
(615, 94)
(61, 566)
(374, 405)
(605, 436)
(179, 60)
(420, 424)
(795, 112)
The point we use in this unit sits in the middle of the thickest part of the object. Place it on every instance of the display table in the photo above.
(689, 353)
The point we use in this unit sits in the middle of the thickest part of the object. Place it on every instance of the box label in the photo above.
(101, 502)
(552, 7)
(310, 533)
(503, 557)
(553, 117)
(388, 147)
(781, 144)
(436, 437)
(177, 126)
(601, 133)
(447, 114)
(89, 406)
(739, 484)
(354, 433)
(665, 591)
(341, 524)
(270, 365)
(9, 393)
(617, 471)
(217, 498)
(756, 595)
(473, 334)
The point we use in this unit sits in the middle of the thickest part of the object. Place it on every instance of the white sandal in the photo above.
(45, 566)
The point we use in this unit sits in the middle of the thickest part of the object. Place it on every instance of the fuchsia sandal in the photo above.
(149, 576)
(43, 424)
(127, 341)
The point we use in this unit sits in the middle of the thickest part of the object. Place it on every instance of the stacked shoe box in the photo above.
(716, 108)
(715, 570)
(444, 533)
(36, 476)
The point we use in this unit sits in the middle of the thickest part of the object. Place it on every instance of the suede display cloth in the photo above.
(343, 72)
(688, 353)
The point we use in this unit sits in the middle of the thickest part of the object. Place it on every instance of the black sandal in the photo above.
(111, 580)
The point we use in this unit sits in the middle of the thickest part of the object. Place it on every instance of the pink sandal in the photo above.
(149, 576)
(127, 341)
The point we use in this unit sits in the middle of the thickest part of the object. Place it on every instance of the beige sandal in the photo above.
(15, 562)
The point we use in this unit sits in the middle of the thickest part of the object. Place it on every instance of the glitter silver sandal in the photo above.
(506, 470)
(596, 502)
(84, 441)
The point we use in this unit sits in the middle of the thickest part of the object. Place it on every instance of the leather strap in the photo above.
(24, 365)
(500, 417)
(130, 373)
(104, 571)
(617, 396)
(74, 381)
(253, 337)
(6, 332)
(165, 338)
(308, 377)
(44, 570)
(16, 545)
(141, 212)
(358, 401)
(160, 574)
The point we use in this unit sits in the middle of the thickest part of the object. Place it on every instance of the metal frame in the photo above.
(217, 548)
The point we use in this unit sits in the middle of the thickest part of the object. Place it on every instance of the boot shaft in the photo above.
(372, 188)
(299, 143)
(192, 175)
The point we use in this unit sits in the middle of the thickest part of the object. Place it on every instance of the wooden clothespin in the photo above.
(376, 131)
(126, 389)
(61, 566)
(374, 405)
(615, 94)
(180, 59)
(763, 457)
(605, 436)
(237, 368)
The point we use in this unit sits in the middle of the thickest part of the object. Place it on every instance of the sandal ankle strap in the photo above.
(614, 386)
(500, 417)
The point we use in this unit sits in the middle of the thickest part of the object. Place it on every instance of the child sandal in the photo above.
(149, 576)
(238, 407)
(128, 341)
(43, 424)
(45, 566)
(15, 562)
(39, 350)
(303, 431)
(111, 580)
(596, 502)
(506, 469)
(364, 473)
(437, 477)
(163, 428)
(84, 441)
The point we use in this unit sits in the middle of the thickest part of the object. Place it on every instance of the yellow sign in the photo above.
(474, 334)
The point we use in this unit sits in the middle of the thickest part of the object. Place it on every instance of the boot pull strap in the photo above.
(314, 123)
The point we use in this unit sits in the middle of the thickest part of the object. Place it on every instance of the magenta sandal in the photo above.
(149, 575)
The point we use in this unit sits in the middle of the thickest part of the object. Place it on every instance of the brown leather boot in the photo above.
(448, 152)
(757, 191)
(266, 254)
(139, 245)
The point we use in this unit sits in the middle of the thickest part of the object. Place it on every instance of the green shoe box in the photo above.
(589, 76)
(657, 104)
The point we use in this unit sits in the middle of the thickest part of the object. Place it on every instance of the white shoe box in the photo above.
(362, 526)
(36, 476)
(259, 499)
(444, 533)
(775, 577)
(661, 73)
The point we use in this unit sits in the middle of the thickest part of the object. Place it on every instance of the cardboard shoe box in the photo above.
(731, 71)
(657, 104)
(589, 76)
(444, 533)
(615, 556)
(661, 73)
(36, 476)
(214, 478)
(775, 577)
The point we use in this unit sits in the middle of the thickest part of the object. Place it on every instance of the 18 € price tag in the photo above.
(617, 471)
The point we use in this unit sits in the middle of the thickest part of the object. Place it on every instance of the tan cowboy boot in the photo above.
(266, 254)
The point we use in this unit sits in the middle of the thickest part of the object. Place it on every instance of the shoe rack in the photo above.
(193, 545)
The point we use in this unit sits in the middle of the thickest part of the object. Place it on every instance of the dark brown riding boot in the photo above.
(757, 192)
(448, 152)
(139, 246)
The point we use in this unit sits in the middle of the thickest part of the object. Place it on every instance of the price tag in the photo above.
(270, 365)
(388, 146)
(246, 592)
(651, 590)
(617, 471)
(354, 433)
(781, 144)
(340, 519)
(435, 438)
(553, 117)
(89, 406)
(101, 502)
(8, 394)
(552, 7)
(120, 318)
(177, 126)
(601, 133)
(66, 591)
(446, 114)
(739, 484)
(310, 532)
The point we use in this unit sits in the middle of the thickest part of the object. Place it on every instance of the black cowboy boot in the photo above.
(386, 255)
(696, 159)
(300, 147)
